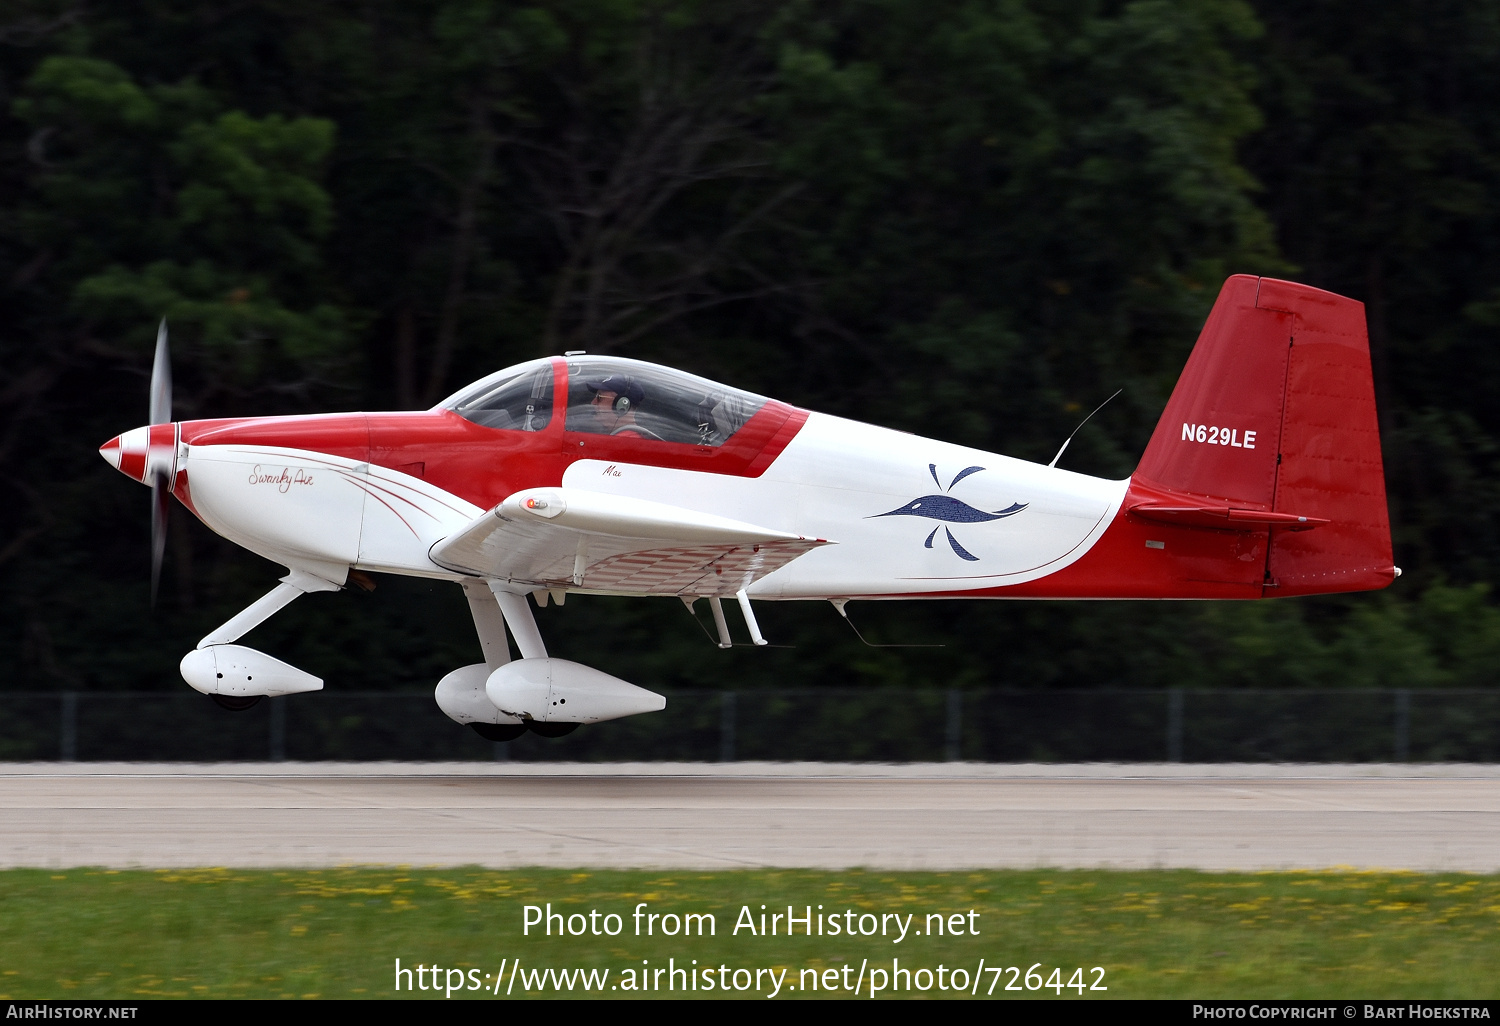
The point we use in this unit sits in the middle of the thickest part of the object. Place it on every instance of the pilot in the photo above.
(615, 401)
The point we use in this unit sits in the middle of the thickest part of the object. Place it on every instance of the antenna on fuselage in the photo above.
(1079, 428)
(840, 603)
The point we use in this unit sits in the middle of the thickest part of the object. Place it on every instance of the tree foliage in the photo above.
(972, 219)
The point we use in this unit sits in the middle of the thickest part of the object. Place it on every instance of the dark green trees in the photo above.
(972, 220)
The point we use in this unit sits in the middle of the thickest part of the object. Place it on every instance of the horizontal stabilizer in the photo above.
(1224, 518)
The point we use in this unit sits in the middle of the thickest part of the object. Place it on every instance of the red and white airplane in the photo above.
(610, 476)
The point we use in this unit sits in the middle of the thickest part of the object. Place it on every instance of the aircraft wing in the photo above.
(569, 537)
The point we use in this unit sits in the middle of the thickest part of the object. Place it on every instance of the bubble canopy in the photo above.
(517, 398)
(610, 396)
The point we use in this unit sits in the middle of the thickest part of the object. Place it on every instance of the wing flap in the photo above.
(565, 537)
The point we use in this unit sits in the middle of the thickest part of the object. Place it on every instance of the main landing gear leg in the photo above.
(522, 624)
(489, 623)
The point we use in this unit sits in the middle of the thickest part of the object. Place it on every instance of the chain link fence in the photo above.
(805, 725)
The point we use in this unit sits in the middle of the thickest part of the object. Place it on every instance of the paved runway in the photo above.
(944, 816)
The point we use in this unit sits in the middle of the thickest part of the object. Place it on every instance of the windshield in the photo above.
(515, 399)
(612, 396)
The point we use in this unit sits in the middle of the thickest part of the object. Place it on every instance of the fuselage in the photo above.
(908, 516)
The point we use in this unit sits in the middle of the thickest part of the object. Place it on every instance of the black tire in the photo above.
(499, 731)
(552, 729)
(236, 703)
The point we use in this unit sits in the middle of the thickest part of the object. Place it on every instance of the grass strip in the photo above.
(89, 933)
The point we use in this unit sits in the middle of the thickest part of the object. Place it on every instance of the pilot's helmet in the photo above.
(623, 386)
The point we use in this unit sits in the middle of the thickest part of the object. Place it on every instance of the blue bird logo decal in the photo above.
(951, 511)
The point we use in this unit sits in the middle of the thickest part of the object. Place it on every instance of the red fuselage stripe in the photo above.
(484, 465)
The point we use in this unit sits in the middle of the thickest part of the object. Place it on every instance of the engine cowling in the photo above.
(560, 691)
(240, 671)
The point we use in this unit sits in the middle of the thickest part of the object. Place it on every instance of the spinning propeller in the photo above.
(159, 465)
(148, 454)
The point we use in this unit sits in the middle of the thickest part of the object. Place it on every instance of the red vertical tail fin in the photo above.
(1273, 422)
(1232, 388)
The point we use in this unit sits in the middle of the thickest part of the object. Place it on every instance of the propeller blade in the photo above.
(161, 496)
(161, 478)
(161, 379)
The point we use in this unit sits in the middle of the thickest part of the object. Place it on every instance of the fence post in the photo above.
(278, 729)
(1403, 725)
(726, 726)
(955, 724)
(1174, 725)
(68, 732)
